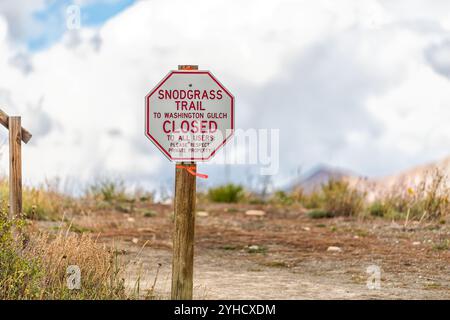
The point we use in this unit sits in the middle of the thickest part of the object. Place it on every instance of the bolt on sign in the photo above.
(189, 115)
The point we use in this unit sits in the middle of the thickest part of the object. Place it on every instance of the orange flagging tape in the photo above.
(192, 170)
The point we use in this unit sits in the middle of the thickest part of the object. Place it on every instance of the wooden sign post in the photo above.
(17, 134)
(189, 116)
(183, 236)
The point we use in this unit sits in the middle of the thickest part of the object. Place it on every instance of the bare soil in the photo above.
(281, 255)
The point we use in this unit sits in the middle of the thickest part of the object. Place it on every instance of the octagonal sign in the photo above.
(189, 115)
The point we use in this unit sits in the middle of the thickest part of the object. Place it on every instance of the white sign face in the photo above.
(189, 115)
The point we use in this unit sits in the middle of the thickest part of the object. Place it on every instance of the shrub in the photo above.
(320, 214)
(281, 197)
(43, 205)
(385, 209)
(313, 200)
(378, 209)
(341, 200)
(43, 202)
(19, 275)
(108, 190)
(100, 268)
(298, 194)
(229, 193)
(432, 198)
(442, 245)
(252, 198)
(34, 266)
(429, 199)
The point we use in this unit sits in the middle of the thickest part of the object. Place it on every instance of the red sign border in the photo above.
(147, 113)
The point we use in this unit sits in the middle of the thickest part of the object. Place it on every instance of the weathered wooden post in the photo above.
(189, 115)
(184, 230)
(15, 167)
(183, 235)
(17, 134)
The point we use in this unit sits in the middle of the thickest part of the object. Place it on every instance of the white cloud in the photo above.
(18, 14)
(347, 83)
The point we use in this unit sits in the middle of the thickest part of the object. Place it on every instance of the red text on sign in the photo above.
(194, 126)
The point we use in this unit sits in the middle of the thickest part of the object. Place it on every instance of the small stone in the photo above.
(253, 248)
(307, 228)
(202, 213)
(130, 219)
(135, 240)
(355, 237)
(395, 225)
(334, 249)
(255, 213)
(416, 243)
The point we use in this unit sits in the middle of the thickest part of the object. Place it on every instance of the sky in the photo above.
(360, 85)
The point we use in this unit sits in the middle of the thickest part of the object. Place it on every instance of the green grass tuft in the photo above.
(229, 193)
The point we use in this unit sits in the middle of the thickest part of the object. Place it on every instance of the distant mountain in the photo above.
(414, 176)
(374, 187)
(321, 175)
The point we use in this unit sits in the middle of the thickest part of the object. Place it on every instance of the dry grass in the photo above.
(427, 200)
(35, 265)
(335, 198)
(43, 202)
(99, 266)
(340, 199)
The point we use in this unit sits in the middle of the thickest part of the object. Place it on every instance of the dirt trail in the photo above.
(282, 254)
(224, 276)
